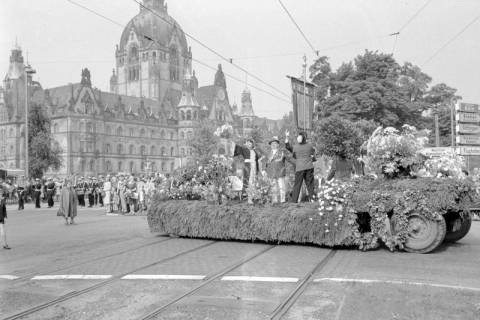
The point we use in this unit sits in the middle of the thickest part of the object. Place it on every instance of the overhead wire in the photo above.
(446, 44)
(193, 59)
(215, 52)
(298, 27)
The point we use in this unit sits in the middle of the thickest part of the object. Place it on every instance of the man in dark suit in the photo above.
(37, 192)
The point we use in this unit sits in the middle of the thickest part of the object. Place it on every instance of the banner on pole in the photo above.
(303, 98)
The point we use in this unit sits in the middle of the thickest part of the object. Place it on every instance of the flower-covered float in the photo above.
(407, 202)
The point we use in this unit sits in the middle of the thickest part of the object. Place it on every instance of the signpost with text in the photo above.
(467, 131)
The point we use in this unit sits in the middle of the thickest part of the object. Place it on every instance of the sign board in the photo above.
(303, 97)
(468, 140)
(468, 117)
(468, 151)
(467, 107)
(466, 128)
(437, 152)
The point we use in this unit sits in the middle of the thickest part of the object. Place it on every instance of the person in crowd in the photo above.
(251, 167)
(50, 192)
(68, 202)
(107, 192)
(37, 192)
(115, 195)
(21, 197)
(132, 194)
(80, 189)
(99, 193)
(3, 216)
(304, 155)
(90, 192)
(276, 170)
(122, 188)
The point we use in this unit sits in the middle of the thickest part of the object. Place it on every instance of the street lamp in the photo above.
(28, 71)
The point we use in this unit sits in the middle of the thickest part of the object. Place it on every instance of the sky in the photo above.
(62, 38)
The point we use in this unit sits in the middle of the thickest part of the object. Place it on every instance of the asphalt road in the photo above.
(111, 267)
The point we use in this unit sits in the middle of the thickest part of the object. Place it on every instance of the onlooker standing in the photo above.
(107, 189)
(21, 197)
(3, 216)
(37, 192)
(50, 192)
(68, 202)
(304, 155)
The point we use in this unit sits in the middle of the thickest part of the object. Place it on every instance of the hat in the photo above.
(274, 139)
(37, 179)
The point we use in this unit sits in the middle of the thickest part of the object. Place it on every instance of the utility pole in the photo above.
(28, 71)
(304, 91)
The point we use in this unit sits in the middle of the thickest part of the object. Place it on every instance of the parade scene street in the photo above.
(224, 160)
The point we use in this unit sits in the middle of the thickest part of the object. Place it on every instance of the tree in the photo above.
(338, 137)
(44, 152)
(372, 87)
(204, 142)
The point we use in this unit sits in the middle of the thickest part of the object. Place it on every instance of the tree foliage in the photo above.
(204, 142)
(338, 137)
(44, 152)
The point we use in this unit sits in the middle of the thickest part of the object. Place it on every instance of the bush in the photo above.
(338, 137)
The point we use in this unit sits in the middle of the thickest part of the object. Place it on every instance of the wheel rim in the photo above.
(422, 232)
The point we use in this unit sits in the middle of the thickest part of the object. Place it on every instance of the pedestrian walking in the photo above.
(21, 197)
(80, 190)
(50, 192)
(68, 203)
(304, 155)
(37, 192)
(3, 216)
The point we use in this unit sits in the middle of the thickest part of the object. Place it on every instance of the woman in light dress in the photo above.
(107, 189)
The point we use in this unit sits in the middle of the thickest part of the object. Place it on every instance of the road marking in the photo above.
(259, 279)
(7, 277)
(73, 277)
(398, 282)
(162, 277)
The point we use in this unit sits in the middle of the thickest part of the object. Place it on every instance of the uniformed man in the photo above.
(21, 197)
(80, 189)
(91, 192)
(37, 192)
(99, 194)
(50, 192)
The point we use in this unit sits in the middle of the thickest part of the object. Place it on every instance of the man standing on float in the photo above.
(252, 160)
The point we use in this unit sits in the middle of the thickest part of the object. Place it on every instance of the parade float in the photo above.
(405, 202)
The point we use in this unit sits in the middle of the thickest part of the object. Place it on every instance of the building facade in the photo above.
(146, 120)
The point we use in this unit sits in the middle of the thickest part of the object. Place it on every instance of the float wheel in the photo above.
(424, 235)
(458, 226)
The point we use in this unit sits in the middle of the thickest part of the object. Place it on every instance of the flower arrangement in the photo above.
(259, 192)
(395, 153)
(332, 198)
(225, 131)
(448, 165)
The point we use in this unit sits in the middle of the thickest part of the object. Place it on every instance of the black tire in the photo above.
(458, 226)
(425, 235)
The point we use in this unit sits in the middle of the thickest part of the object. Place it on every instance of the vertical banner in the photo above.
(303, 98)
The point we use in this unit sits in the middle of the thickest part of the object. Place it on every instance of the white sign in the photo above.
(469, 151)
(468, 140)
(438, 151)
(466, 128)
(468, 107)
(468, 117)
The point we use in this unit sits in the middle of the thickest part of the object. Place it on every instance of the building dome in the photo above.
(154, 22)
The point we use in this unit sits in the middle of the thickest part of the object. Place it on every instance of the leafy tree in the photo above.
(204, 142)
(337, 137)
(44, 151)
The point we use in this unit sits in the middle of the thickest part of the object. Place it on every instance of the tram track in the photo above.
(109, 281)
(209, 279)
(28, 276)
(295, 294)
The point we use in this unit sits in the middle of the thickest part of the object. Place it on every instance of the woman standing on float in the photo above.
(251, 166)
(304, 155)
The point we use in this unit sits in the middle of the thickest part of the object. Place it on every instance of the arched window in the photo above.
(55, 128)
(172, 167)
(120, 149)
(153, 151)
(195, 115)
(89, 127)
(11, 150)
(152, 134)
(171, 135)
(108, 130)
(189, 115)
(119, 131)
(142, 166)
(182, 135)
(133, 54)
(108, 148)
(163, 151)
(131, 132)
(189, 135)
(182, 115)
(131, 149)
(172, 151)
(91, 166)
(132, 166)
(163, 165)
(182, 152)
(120, 166)
(174, 69)
(81, 127)
(142, 151)
(108, 166)
(162, 134)
(82, 165)
(142, 133)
